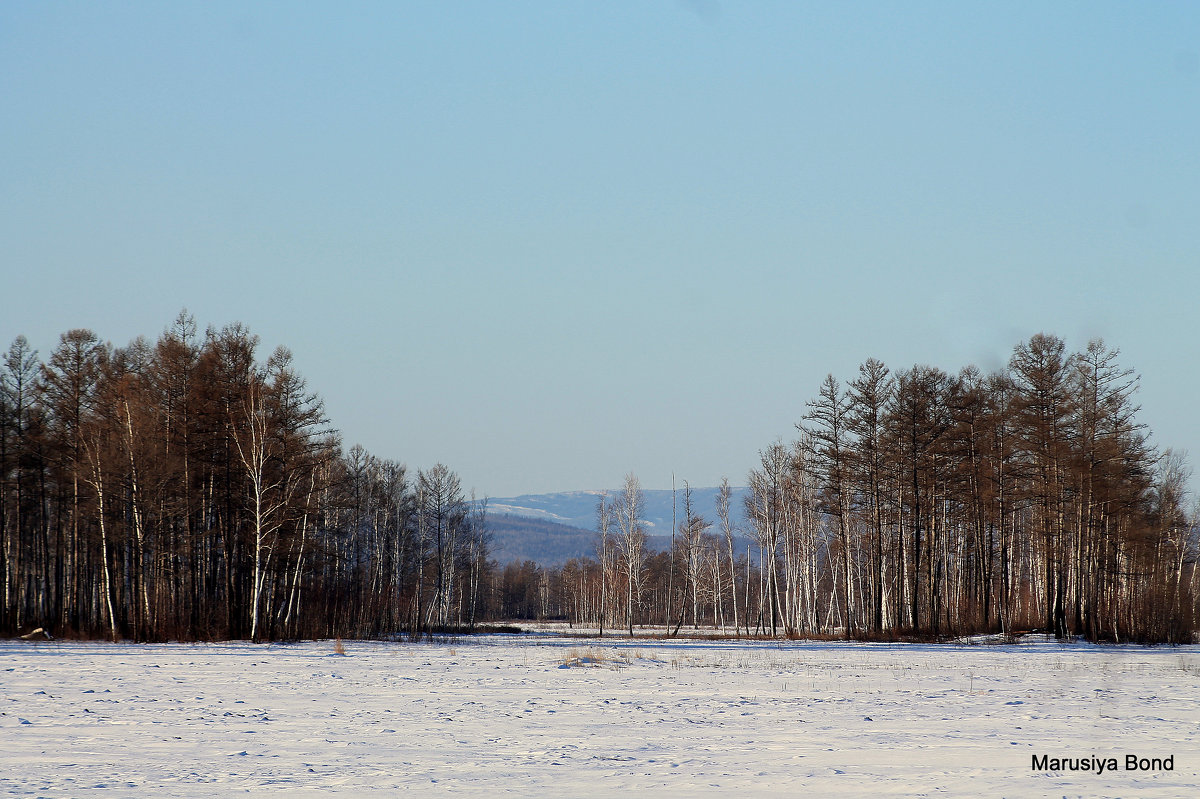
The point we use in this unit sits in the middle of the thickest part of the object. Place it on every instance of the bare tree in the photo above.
(691, 532)
(828, 431)
(868, 396)
(443, 511)
(270, 490)
(17, 394)
(477, 540)
(728, 531)
(605, 551)
(1044, 410)
(628, 509)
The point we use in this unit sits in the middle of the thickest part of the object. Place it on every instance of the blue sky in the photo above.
(551, 243)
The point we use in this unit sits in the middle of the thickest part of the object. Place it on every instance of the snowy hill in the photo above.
(550, 529)
(578, 508)
(545, 542)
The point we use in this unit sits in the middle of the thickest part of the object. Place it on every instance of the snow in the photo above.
(659, 508)
(529, 513)
(553, 714)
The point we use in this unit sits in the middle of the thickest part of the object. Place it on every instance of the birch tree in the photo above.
(628, 509)
(728, 531)
(691, 533)
(605, 551)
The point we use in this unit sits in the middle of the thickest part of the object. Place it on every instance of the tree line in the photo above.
(928, 504)
(185, 489)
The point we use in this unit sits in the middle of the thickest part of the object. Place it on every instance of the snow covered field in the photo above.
(552, 715)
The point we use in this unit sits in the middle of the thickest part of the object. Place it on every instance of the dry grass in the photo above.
(592, 658)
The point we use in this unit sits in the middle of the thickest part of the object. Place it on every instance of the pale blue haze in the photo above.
(550, 243)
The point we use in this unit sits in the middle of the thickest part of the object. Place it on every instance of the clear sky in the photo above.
(550, 243)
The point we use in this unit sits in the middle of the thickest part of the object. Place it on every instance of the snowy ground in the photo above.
(552, 715)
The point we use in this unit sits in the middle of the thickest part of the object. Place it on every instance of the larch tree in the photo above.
(67, 383)
(443, 511)
(17, 390)
(1041, 370)
(827, 426)
(917, 420)
(868, 397)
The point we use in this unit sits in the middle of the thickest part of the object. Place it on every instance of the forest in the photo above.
(929, 505)
(187, 489)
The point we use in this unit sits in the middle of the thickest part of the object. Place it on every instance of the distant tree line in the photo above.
(183, 489)
(927, 504)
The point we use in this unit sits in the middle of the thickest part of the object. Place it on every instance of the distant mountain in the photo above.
(548, 543)
(578, 508)
(550, 529)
